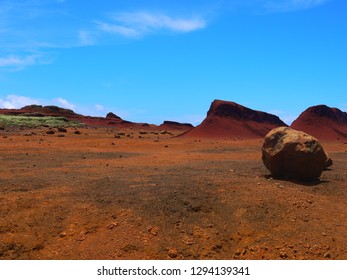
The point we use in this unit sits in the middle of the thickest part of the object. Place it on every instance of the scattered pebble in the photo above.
(112, 225)
(172, 253)
(153, 230)
(327, 255)
(62, 129)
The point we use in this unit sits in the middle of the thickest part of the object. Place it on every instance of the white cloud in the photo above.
(63, 102)
(99, 107)
(292, 5)
(17, 63)
(118, 29)
(279, 6)
(85, 38)
(137, 24)
(13, 101)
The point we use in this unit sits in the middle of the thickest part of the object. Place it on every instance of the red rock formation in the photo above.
(170, 125)
(323, 122)
(231, 120)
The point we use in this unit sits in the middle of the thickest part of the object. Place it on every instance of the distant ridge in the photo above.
(322, 122)
(227, 119)
(111, 119)
(171, 125)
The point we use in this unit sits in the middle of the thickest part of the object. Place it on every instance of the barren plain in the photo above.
(94, 196)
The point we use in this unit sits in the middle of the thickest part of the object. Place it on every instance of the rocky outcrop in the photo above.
(323, 122)
(292, 154)
(111, 115)
(171, 125)
(230, 120)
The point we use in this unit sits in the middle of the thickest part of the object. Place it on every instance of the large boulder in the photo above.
(292, 154)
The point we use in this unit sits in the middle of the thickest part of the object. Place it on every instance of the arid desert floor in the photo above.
(94, 196)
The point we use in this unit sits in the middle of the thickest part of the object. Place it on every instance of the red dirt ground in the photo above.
(92, 196)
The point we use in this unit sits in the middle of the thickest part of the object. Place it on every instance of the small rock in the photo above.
(62, 129)
(77, 132)
(112, 225)
(62, 234)
(172, 253)
(327, 255)
(153, 230)
(61, 135)
(50, 132)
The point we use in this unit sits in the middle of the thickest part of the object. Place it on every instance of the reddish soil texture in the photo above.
(231, 120)
(323, 122)
(94, 196)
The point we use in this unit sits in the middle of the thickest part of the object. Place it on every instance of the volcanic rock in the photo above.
(229, 119)
(171, 125)
(62, 129)
(112, 116)
(292, 154)
(322, 122)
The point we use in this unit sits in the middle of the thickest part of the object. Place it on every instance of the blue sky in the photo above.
(150, 61)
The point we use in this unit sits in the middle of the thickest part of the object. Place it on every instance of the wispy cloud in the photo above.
(292, 5)
(99, 107)
(86, 38)
(13, 101)
(138, 24)
(64, 103)
(279, 6)
(17, 62)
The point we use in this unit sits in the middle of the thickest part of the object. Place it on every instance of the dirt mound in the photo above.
(170, 125)
(323, 122)
(41, 111)
(230, 120)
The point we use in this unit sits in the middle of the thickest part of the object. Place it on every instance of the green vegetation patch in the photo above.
(25, 121)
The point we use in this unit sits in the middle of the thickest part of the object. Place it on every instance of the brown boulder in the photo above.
(292, 154)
